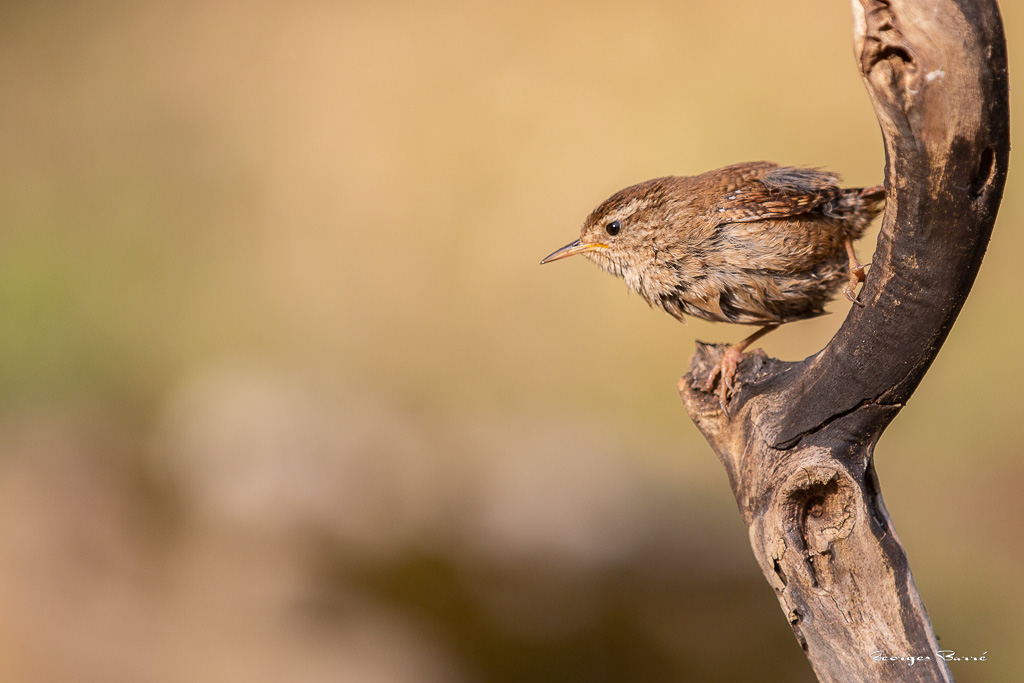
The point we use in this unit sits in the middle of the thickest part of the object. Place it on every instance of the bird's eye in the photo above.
(613, 228)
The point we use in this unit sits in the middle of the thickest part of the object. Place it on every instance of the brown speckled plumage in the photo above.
(753, 243)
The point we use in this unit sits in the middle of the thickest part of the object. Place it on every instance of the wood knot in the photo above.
(820, 505)
(816, 506)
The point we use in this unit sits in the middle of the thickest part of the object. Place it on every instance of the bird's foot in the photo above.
(856, 274)
(725, 373)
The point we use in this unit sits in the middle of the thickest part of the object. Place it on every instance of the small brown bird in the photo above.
(753, 243)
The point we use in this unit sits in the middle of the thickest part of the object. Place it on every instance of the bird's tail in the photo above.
(858, 207)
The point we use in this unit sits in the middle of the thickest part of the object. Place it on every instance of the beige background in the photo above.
(284, 394)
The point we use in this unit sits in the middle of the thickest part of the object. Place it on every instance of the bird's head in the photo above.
(620, 235)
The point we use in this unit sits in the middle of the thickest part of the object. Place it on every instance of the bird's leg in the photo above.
(856, 274)
(727, 366)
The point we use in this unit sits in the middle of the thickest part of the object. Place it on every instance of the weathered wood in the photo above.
(798, 448)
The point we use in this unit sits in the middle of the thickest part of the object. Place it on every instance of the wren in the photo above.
(753, 243)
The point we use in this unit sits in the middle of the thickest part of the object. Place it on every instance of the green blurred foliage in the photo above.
(354, 196)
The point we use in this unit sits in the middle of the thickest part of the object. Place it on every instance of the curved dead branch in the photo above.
(799, 446)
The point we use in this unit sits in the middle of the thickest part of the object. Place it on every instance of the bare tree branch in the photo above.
(799, 446)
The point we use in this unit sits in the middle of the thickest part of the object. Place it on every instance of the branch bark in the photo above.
(799, 446)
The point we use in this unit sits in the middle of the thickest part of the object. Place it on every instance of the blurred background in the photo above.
(284, 394)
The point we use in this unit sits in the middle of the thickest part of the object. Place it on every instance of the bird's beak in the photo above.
(574, 248)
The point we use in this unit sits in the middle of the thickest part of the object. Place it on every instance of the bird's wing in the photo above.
(763, 191)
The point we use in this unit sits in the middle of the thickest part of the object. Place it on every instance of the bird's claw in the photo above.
(857, 276)
(726, 370)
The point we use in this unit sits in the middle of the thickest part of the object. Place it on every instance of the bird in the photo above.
(754, 243)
